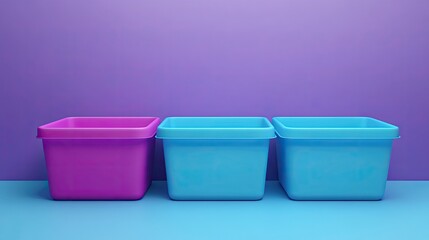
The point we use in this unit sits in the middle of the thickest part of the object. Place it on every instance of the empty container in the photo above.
(99, 158)
(216, 158)
(333, 158)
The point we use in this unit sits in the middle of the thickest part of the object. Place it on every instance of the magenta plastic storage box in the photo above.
(99, 158)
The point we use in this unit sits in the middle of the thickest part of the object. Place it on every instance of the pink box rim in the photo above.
(120, 128)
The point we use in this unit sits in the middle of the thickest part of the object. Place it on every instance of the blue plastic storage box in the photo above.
(333, 158)
(216, 158)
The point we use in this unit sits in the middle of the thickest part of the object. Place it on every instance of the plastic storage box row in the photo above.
(218, 158)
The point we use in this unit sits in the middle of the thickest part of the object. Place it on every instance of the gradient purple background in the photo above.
(213, 57)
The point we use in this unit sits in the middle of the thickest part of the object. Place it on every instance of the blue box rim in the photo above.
(258, 132)
(384, 131)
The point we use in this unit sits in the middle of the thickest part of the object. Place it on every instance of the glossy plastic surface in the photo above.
(216, 158)
(333, 158)
(99, 158)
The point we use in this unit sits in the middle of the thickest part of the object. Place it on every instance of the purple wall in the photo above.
(213, 57)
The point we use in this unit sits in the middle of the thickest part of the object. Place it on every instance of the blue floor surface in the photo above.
(27, 212)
